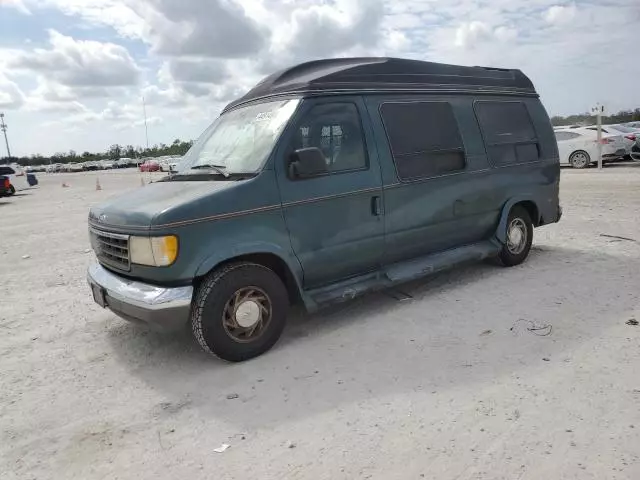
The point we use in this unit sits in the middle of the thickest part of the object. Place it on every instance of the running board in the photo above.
(399, 273)
(422, 266)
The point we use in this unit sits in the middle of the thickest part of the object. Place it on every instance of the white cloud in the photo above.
(471, 33)
(80, 63)
(200, 70)
(505, 34)
(44, 105)
(17, 4)
(207, 28)
(560, 14)
(328, 29)
(113, 13)
(11, 95)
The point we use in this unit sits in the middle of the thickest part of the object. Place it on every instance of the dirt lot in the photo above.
(449, 384)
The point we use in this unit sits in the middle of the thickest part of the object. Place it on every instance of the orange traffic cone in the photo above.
(98, 187)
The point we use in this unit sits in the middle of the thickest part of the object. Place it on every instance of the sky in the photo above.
(73, 73)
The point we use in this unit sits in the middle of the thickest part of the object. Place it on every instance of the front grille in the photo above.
(111, 249)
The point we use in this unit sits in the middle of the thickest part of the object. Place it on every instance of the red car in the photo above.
(149, 166)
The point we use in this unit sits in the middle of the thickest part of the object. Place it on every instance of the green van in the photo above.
(325, 181)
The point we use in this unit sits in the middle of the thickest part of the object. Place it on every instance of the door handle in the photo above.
(376, 206)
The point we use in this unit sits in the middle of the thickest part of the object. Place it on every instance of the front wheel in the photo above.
(519, 238)
(240, 311)
(579, 159)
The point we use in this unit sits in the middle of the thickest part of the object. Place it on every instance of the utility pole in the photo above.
(3, 127)
(146, 130)
(599, 110)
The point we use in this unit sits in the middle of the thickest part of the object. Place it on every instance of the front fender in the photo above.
(501, 231)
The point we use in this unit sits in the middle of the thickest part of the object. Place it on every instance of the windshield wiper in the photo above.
(217, 168)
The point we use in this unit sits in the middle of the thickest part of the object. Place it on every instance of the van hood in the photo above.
(139, 208)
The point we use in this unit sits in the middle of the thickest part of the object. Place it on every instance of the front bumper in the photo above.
(158, 307)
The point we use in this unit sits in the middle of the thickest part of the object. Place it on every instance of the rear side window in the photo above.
(6, 171)
(424, 137)
(508, 132)
(560, 136)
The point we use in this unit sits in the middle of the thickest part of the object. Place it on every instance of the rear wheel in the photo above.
(12, 190)
(240, 311)
(580, 159)
(519, 238)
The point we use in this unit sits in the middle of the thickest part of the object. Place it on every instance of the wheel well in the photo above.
(272, 262)
(532, 210)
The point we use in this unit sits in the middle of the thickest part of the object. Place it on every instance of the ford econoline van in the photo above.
(325, 181)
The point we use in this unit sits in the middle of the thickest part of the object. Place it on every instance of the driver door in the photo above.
(335, 219)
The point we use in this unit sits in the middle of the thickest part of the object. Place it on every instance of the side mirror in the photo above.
(307, 162)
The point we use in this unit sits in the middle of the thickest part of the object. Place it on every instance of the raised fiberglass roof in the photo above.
(349, 75)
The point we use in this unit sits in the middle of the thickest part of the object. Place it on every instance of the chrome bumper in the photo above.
(158, 307)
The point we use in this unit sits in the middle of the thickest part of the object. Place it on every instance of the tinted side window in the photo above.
(6, 171)
(336, 130)
(424, 137)
(508, 132)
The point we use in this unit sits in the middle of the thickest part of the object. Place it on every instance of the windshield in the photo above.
(240, 141)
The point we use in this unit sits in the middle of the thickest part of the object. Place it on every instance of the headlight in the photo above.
(153, 251)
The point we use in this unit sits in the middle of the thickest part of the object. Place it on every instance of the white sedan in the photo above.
(578, 147)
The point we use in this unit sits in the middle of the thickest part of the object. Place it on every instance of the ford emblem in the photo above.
(102, 218)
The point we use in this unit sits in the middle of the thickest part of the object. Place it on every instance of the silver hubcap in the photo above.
(247, 314)
(517, 236)
(579, 159)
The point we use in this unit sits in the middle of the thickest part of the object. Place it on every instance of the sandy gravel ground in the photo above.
(447, 384)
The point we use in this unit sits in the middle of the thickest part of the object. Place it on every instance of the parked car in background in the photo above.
(633, 124)
(149, 166)
(123, 162)
(106, 164)
(578, 147)
(627, 138)
(164, 163)
(16, 175)
(631, 136)
(91, 166)
(74, 167)
(6, 189)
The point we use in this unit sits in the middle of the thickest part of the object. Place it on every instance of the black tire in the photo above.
(213, 300)
(12, 190)
(510, 255)
(579, 159)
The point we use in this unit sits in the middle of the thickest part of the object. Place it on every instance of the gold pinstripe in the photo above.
(224, 216)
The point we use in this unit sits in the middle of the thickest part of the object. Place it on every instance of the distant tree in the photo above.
(623, 116)
(130, 151)
(115, 152)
